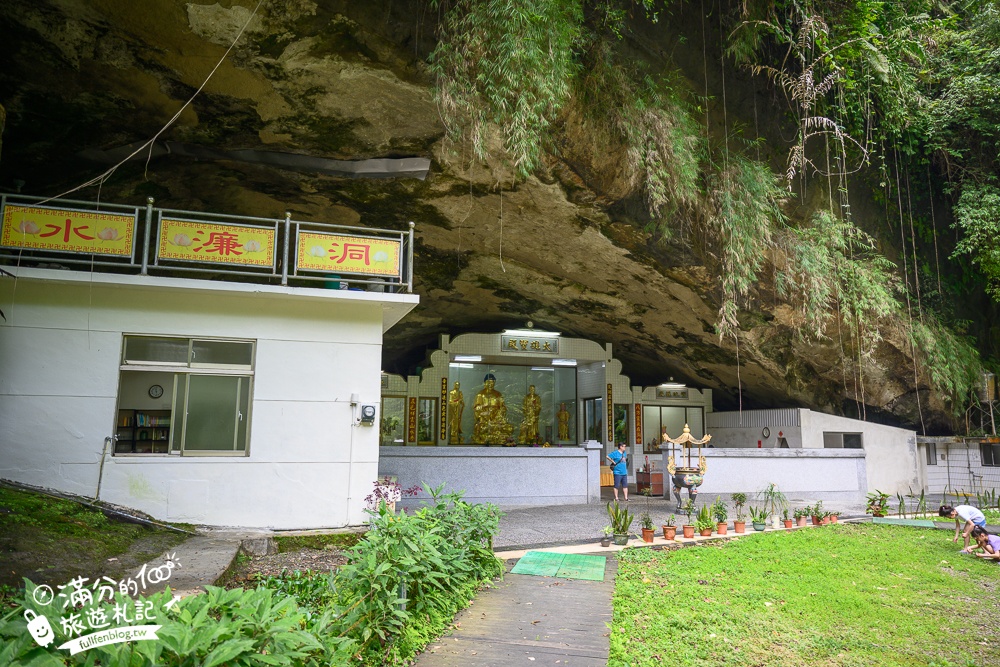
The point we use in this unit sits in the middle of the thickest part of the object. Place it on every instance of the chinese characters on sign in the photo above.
(638, 424)
(82, 613)
(611, 416)
(411, 421)
(216, 244)
(444, 410)
(517, 344)
(67, 230)
(664, 392)
(332, 253)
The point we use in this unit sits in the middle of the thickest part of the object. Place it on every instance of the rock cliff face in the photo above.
(348, 81)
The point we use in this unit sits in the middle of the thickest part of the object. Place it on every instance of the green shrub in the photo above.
(231, 627)
(401, 588)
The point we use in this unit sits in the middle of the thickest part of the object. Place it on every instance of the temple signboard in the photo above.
(67, 230)
(538, 345)
(335, 253)
(195, 241)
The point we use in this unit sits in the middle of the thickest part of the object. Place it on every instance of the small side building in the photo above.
(200, 390)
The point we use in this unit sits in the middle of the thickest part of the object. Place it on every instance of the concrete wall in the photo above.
(893, 466)
(308, 466)
(506, 476)
(746, 429)
(958, 468)
(836, 476)
(892, 462)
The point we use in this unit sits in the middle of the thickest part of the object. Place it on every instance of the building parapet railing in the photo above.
(118, 238)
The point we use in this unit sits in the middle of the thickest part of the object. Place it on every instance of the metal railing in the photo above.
(137, 240)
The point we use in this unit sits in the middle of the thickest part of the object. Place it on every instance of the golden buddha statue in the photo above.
(529, 424)
(456, 406)
(562, 419)
(490, 411)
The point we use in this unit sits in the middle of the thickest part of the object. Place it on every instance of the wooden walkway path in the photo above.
(528, 620)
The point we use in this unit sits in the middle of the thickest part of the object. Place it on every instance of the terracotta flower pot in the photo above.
(801, 521)
(787, 523)
(647, 534)
(833, 518)
(669, 532)
(825, 521)
(720, 528)
(740, 526)
(706, 532)
(688, 530)
(816, 521)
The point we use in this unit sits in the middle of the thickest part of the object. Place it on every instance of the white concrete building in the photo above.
(891, 462)
(201, 401)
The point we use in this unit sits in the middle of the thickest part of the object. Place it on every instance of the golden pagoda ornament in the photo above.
(687, 475)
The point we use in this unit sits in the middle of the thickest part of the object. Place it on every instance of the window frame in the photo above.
(994, 451)
(180, 373)
(931, 454)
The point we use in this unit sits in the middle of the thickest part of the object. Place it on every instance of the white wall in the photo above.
(505, 476)
(835, 476)
(307, 465)
(893, 466)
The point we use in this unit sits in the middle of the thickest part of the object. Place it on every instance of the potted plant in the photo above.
(877, 502)
(817, 513)
(721, 513)
(669, 529)
(688, 528)
(801, 516)
(606, 540)
(773, 501)
(704, 524)
(834, 516)
(740, 521)
(758, 516)
(785, 520)
(824, 520)
(621, 521)
(647, 527)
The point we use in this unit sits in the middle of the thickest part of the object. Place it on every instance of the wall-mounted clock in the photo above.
(766, 432)
(155, 391)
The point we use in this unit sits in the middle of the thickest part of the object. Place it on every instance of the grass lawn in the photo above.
(846, 595)
(50, 541)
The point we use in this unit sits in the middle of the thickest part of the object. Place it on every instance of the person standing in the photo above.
(967, 513)
(619, 468)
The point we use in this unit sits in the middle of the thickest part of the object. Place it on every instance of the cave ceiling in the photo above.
(567, 249)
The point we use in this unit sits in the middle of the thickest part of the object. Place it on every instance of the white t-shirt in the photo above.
(970, 513)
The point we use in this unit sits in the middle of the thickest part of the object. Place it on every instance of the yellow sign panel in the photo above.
(44, 228)
(348, 254)
(219, 244)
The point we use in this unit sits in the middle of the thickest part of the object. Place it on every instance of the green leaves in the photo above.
(503, 72)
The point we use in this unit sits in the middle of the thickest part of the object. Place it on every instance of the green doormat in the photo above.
(918, 523)
(565, 566)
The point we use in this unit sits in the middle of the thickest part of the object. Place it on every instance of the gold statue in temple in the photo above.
(490, 411)
(532, 410)
(456, 406)
(562, 419)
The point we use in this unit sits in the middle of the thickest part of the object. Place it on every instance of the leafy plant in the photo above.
(759, 514)
(773, 499)
(646, 520)
(704, 520)
(607, 531)
(688, 509)
(621, 519)
(670, 520)
(877, 502)
(739, 501)
(720, 511)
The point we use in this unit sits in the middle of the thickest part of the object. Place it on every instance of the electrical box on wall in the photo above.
(367, 415)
